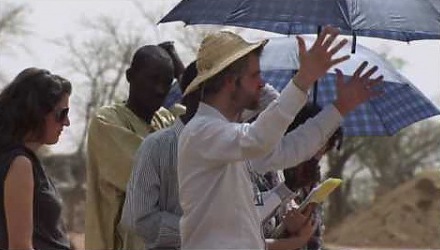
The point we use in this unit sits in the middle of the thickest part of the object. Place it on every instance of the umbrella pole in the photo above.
(353, 43)
(315, 92)
(315, 86)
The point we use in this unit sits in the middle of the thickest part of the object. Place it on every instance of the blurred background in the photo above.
(390, 196)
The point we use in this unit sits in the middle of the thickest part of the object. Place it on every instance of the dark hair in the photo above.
(148, 54)
(308, 172)
(308, 111)
(215, 83)
(26, 101)
(188, 76)
(191, 100)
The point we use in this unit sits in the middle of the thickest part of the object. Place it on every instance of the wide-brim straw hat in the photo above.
(218, 51)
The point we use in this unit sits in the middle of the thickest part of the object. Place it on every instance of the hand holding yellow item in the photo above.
(320, 193)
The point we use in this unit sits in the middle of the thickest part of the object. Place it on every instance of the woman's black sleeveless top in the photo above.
(48, 232)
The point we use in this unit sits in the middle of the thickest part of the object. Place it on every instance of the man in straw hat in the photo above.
(152, 207)
(214, 184)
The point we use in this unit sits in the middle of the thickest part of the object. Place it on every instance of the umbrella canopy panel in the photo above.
(403, 20)
(400, 105)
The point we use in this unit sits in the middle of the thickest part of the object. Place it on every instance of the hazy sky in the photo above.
(52, 19)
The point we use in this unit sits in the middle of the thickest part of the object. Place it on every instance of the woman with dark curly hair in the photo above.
(34, 109)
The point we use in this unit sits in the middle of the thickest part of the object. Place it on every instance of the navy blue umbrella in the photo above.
(403, 20)
(401, 104)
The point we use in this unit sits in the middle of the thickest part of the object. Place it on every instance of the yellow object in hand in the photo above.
(321, 192)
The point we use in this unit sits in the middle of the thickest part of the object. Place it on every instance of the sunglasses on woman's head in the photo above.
(61, 114)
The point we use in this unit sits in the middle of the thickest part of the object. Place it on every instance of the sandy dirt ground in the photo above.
(78, 243)
(406, 218)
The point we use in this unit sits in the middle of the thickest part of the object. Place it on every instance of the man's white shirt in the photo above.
(214, 185)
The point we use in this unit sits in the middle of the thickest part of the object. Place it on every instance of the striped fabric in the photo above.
(403, 20)
(400, 106)
(152, 206)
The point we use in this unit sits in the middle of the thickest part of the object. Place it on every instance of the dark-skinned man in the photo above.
(115, 133)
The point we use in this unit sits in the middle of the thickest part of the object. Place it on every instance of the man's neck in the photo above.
(140, 111)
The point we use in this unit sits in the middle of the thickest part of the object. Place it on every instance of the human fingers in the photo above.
(376, 81)
(330, 31)
(374, 92)
(330, 38)
(339, 78)
(301, 45)
(292, 213)
(309, 209)
(338, 46)
(327, 31)
(339, 60)
(307, 226)
(369, 73)
(359, 70)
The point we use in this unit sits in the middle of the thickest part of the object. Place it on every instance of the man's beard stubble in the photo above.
(251, 103)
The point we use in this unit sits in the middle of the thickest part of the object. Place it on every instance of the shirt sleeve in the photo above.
(223, 141)
(142, 212)
(111, 149)
(163, 118)
(302, 143)
(268, 94)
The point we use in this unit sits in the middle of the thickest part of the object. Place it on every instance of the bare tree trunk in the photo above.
(339, 205)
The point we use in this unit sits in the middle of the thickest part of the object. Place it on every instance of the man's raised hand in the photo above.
(315, 62)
